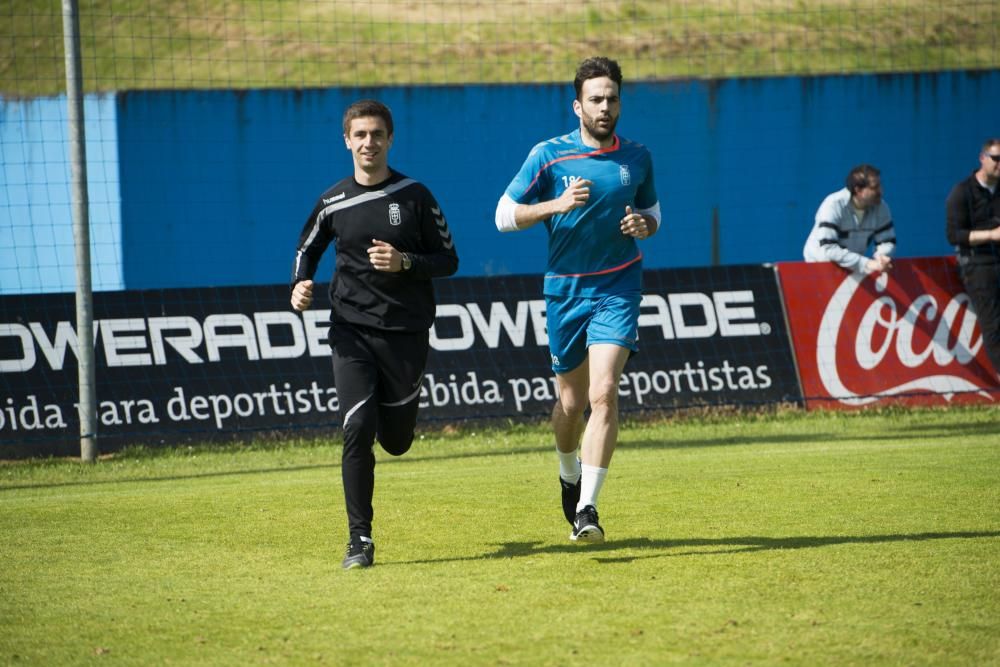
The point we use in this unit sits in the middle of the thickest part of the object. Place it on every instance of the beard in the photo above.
(599, 132)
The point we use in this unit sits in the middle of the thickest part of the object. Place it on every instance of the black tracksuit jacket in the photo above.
(399, 211)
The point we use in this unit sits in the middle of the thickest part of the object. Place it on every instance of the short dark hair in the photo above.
(593, 68)
(365, 109)
(860, 177)
(988, 144)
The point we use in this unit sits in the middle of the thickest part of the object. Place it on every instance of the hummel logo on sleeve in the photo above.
(443, 230)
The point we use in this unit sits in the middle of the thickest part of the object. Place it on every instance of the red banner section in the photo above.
(905, 337)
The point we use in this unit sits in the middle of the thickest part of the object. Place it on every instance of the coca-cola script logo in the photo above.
(908, 335)
(887, 343)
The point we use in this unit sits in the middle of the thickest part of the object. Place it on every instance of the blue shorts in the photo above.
(575, 323)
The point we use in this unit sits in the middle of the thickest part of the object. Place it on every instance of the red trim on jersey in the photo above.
(599, 273)
(613, 147)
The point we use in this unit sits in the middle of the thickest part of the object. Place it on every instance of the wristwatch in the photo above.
(407, 262)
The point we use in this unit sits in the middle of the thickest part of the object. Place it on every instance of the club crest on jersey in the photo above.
(395, 217)
(624, 174)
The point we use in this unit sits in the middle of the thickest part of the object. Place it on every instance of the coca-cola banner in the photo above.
(211, 363)
(907, 336)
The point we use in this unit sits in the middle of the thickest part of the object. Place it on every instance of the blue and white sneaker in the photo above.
(586, 529)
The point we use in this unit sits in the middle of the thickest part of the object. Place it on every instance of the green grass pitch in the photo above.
(801, 539)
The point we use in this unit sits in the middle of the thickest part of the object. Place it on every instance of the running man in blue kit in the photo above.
(594, 191)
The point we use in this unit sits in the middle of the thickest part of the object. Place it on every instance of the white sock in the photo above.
(569, 466)
(591, 480)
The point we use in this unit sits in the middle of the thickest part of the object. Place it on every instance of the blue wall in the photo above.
(215, 185)
(37, 252)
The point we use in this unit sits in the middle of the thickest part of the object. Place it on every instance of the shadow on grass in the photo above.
(641, 548)
(901, 434)
(949, 430)
(169, 478)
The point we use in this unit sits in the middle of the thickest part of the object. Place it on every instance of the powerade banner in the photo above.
(707, 336)
(211, 363)
(907, 336)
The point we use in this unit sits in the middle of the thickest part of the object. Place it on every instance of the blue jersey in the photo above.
(588, 253)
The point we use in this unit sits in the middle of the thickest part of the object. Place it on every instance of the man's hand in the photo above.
(879, 264)
(980, 236)
(302, 295)
(575, 196)
(635, 224)
(384, 257)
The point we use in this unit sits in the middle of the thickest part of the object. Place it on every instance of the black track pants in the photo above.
(378, 375)
(982, 284)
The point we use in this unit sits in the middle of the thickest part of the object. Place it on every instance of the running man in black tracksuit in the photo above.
(391, 239)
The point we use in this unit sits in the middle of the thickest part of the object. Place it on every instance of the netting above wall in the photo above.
(143, 44)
